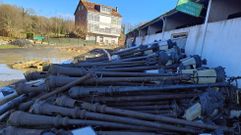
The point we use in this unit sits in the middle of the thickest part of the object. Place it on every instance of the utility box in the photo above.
(38, 38)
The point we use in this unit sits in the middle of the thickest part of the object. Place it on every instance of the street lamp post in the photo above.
(206, 27)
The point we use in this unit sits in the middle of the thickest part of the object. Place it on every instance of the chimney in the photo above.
(116, 9)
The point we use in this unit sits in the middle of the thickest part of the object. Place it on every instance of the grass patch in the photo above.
(8, 46)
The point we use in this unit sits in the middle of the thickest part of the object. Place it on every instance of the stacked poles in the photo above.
(138, 91)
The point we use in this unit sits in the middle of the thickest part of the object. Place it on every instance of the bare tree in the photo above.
(16, 21)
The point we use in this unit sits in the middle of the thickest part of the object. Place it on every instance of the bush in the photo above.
(73, 35)
(78, 33)
(29, 35)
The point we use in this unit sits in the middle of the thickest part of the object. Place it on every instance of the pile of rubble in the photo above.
(147, 90)
(21, 42)
(3, 42)
(37, 65)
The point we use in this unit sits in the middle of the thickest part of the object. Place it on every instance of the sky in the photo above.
(133, 11)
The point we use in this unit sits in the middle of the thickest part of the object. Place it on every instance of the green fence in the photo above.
(67, 41)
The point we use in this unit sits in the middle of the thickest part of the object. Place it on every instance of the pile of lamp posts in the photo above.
(147, 90)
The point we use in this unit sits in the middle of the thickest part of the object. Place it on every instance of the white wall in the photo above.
(107, 40)
(222, 46)
(110, 40)
(102, 24)
(105, 19)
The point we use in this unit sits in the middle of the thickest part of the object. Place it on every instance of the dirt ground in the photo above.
(5, 83)
(57, 54)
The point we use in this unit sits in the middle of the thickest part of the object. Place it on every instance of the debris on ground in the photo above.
(21, 42)
(33, 64)
(3, 42)
(92, 54)
(147, 90)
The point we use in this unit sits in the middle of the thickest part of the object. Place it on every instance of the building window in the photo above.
(80, 7)
(96, 28)
(107, 30)
(106, 9)
(94, 17)
(90, 16)
(118, 31)
(92, 38)
(115, 21)
(179, 35)
(101, 39)
(102, 30)
(115, 31)
(90, 27)
(107, 41)
(93, 27)
(97, 18)
(113, 41)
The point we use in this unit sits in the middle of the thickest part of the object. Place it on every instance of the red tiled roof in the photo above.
(92, 7)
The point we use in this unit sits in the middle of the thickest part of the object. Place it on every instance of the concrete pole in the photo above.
(206, 26)
(163, 27)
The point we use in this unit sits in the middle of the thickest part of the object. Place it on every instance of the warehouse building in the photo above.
(214, 34)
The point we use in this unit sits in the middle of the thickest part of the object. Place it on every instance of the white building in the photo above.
(102, 23)
(222, 43)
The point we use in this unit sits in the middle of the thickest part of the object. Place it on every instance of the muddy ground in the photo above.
(52, 54)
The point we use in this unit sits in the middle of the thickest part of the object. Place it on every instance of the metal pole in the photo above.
(163, 27)
(206, 26)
